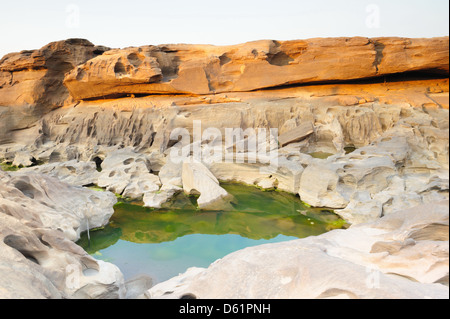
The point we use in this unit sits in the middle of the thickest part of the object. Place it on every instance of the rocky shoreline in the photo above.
(90, 115)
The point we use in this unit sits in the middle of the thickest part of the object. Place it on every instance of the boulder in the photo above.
(157, 199)
(198, 180)
(127, 173)
(55, 204)
(284, 176)
(40, 218)
(171, 172)
(137, 286)
(22, 159)
(318, 187)
(296, 134)
(106, 282)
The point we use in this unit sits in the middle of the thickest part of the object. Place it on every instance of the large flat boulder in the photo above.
(296, 134)
(401, 256)
(77, 173)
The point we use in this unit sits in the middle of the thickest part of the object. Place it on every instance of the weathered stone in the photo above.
(105, 283)
(133, 66)
(55, 204)
(137, 286)
(396, 54)
(285, 175)
(382, 259)
(39, 219)
(36, 77)
(318, 187)
(127, 173)
(297, 134)
(71, 172)
(399, 129)
(203, 69)
(156, 199)
(198, 180)
(22, 159)
(32, 83)
(171, 172)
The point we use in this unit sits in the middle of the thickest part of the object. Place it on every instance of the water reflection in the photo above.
(164, 242)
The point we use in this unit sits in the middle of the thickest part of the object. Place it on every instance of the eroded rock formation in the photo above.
(193, 69)
(40, 217)
(32, 81)
(367, 149)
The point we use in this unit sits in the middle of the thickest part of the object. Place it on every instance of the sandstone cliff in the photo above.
(193, 69)
(32, 80)
(36, 77)
(32, 83)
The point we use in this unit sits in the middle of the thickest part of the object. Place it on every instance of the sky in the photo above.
(30, 24)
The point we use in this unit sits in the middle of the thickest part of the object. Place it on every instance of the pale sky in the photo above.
(30, 24)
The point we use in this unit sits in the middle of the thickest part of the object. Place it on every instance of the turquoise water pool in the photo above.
(163, 243)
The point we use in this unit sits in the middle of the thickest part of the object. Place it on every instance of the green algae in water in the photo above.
(349, 149)
(8, 167)
(325, 155)
(321, 155)
(163, 243)
(96, 188)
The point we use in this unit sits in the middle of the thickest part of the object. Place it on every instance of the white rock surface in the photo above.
(127, 173)
(158, 198)
(23, 158)
(318, 187)
(77, 173)
(403, 255)
(55, 204)
(197, 179)
(105, 283)
(40, 217)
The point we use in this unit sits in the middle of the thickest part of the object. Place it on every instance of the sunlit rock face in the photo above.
(203, 69)
(31, 81)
